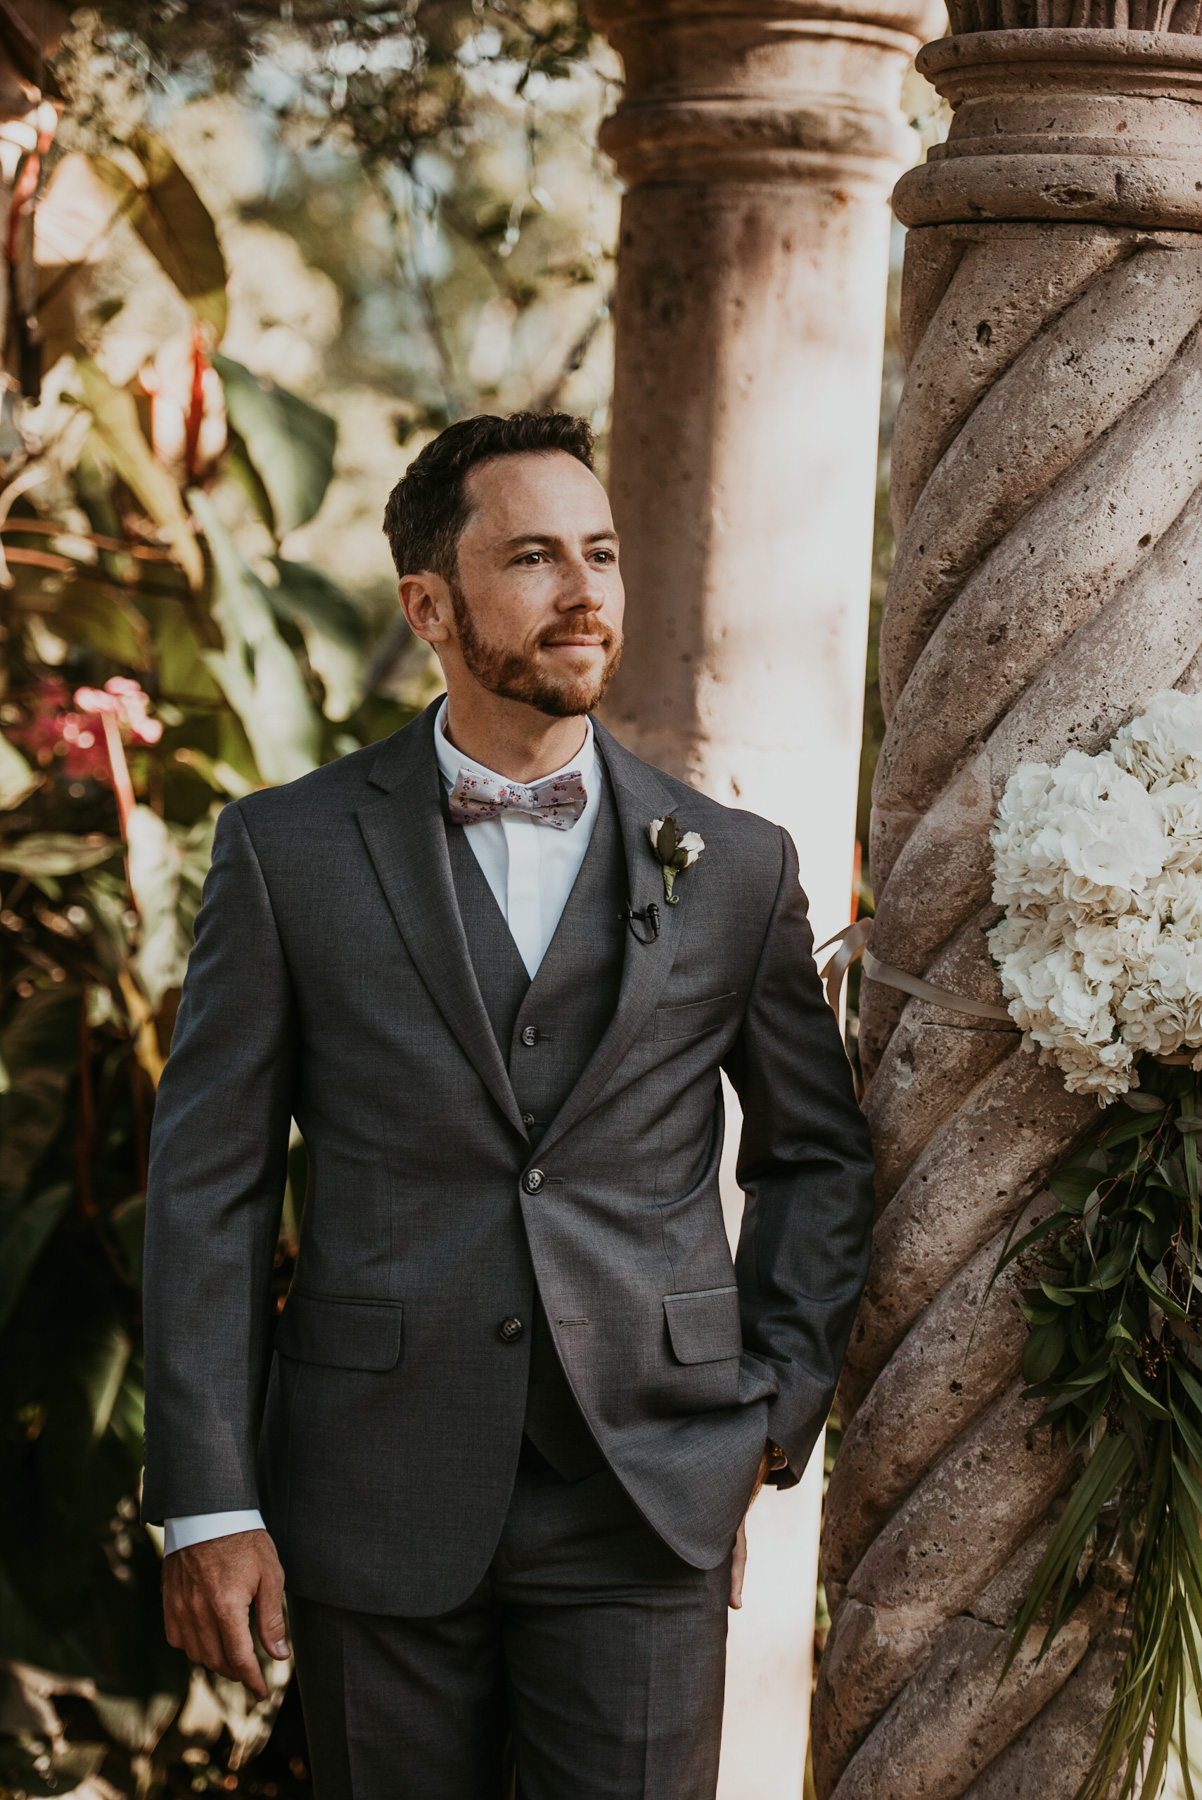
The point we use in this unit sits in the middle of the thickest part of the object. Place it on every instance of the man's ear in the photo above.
(426, 603)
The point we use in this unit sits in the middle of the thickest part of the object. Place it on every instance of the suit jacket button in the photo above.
(527, 1120)
(533, 1180)
(529, 1035)
(510, 1330)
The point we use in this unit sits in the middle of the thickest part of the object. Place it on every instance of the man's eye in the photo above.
(531, 556)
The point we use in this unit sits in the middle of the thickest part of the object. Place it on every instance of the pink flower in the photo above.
(52, 734)
(121, 705)
(125, 701)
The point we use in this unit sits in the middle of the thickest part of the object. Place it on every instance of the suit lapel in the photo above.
(639, 797)
(405, 836)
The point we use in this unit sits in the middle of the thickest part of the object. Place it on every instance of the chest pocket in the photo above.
(697, 1017)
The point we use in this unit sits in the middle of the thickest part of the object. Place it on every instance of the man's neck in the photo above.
(510, 738)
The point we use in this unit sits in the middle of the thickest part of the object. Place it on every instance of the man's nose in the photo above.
(582, 587)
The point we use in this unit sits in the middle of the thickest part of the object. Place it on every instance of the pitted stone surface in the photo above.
(1047, 500)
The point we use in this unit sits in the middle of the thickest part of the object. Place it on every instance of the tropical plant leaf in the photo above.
(24, 1240)
(257, 670)
(98, 613)
(127, 1222)
(334, 631)
(55, 853)
(17, 779)
(154, 879)
(1108, 1467)
(173, 222)
(290, 443)
(115, 417)
(39, 1045)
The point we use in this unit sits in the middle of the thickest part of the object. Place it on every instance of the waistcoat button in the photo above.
(529, 1035)
(510, 1330)
(533, 1180)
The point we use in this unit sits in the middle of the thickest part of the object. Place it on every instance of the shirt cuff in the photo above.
(199, 1528)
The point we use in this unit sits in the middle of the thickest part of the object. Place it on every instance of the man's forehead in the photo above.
(513, 496)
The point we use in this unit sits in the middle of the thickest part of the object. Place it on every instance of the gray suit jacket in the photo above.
(331, 982)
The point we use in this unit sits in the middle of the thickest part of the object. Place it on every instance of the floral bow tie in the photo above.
(557, 800)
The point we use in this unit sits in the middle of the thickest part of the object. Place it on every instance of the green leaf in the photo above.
(1058, 1296)
(257, 671)
(334, 632)
(1191, 1386)
(1074, 1188)
(1042, 1352)
(23, 1242)
(1108, 1467)
(55, 853)
(127, 1222)
(1011, 1251)
(290, 443)
(1113, 1268)
(1139, 1393)
(115, 417)
(98, 613)
(40, 1048)
(17, 779)
(1189, 1432)
(172, 221)
(154, 872)
(1039, 1315)
(1140, 1101)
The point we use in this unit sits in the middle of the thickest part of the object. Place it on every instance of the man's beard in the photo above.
(517, 675)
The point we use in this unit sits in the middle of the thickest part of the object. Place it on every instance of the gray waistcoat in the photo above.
(548, 1029)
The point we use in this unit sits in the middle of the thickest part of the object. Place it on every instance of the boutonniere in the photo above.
(676, 849)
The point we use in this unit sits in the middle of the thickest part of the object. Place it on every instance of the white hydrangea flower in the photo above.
(1164, 745)
(1098, 863)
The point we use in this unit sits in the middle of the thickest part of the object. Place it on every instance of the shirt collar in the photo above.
(451, 761)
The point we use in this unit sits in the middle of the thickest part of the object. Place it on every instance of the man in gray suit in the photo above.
(519, 1399)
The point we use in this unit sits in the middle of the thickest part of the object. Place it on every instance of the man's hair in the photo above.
(429, 507)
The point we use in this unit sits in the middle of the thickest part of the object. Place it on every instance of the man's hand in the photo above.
(208, 1591)
(739, 1560)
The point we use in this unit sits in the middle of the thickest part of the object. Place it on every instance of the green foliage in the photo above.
(289, 444)
(1115, 1350)
(222, 669)
(171, 219)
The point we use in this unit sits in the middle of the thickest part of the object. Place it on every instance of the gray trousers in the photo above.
(589, 1642)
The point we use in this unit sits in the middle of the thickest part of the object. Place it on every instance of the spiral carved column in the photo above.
(1047, 494)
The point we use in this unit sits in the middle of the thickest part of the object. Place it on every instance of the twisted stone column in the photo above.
(1047, 493)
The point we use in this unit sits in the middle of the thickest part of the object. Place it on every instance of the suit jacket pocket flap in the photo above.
(696, 1017)
(342, 1334)
(704, 1327)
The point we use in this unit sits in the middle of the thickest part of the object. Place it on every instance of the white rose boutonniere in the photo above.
(677, 850)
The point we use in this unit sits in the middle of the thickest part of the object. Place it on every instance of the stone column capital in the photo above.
(775, 90)
(1070, 125)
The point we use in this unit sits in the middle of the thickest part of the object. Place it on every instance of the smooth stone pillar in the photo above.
(758, 144)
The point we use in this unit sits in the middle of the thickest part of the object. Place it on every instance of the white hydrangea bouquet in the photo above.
(1098, 863)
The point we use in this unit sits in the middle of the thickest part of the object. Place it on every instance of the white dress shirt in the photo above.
(531, 869)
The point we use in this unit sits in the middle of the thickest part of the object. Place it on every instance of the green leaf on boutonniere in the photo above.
(677, 850)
